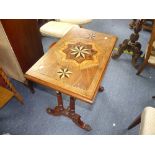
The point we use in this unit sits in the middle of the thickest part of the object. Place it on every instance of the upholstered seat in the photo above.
(147, 126)
(56, 29)
(76, 21)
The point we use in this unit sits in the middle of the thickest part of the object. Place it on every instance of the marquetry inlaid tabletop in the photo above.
(75, 65)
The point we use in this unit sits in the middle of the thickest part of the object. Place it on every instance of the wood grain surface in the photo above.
(75, 65)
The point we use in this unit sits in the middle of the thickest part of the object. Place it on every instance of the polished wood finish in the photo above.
(148, 52)
(68, 112)
(75, 73)
(10, 86)
(131, 44)
(135, 122)
(75, 66)
(25, 40)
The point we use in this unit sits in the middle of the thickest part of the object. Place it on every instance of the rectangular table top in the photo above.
(76, 64)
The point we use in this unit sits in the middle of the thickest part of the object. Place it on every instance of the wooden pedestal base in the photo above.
(69, 112)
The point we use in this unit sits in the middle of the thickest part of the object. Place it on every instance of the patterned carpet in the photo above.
(125, 96)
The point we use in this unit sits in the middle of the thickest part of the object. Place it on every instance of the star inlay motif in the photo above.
(64, 72)
(79, 52)
(91, 36)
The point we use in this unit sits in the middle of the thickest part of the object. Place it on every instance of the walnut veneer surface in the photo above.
(76, 64)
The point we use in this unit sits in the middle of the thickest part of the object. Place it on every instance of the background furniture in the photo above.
(20, 46)
(56, 29)
(6, 95)
(147, 24)
(131, 44)
(150, 52)
(147, 119)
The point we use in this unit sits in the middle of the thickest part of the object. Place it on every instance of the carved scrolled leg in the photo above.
(59, 109)
(76, 118)
(121, 48)
(69, 112)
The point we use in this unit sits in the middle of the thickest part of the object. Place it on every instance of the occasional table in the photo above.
(75, 66)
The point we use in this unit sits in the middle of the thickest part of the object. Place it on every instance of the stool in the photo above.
(56, 29)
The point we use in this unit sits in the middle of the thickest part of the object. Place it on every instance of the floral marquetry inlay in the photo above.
(91, 36)
(79, 52)
(64, 72)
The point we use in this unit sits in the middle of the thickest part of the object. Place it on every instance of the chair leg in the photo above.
(141, 68)
(135, 122)
(29, 84)
(11, 87)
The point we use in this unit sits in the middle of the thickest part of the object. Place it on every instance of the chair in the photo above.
(150, 52)
(7, 94)
(147, 120)
(56, 29)
(79, 22)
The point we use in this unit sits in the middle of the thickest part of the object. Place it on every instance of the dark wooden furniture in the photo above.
(149, 58)
(75, 66)
(25, 40)
(135, 122)
(147, 24)
(131, 44)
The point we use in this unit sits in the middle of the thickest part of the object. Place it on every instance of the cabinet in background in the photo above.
(20, 46)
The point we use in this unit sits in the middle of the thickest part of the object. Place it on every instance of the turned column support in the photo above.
(72, 105)
(68, 112)
(60, 101)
